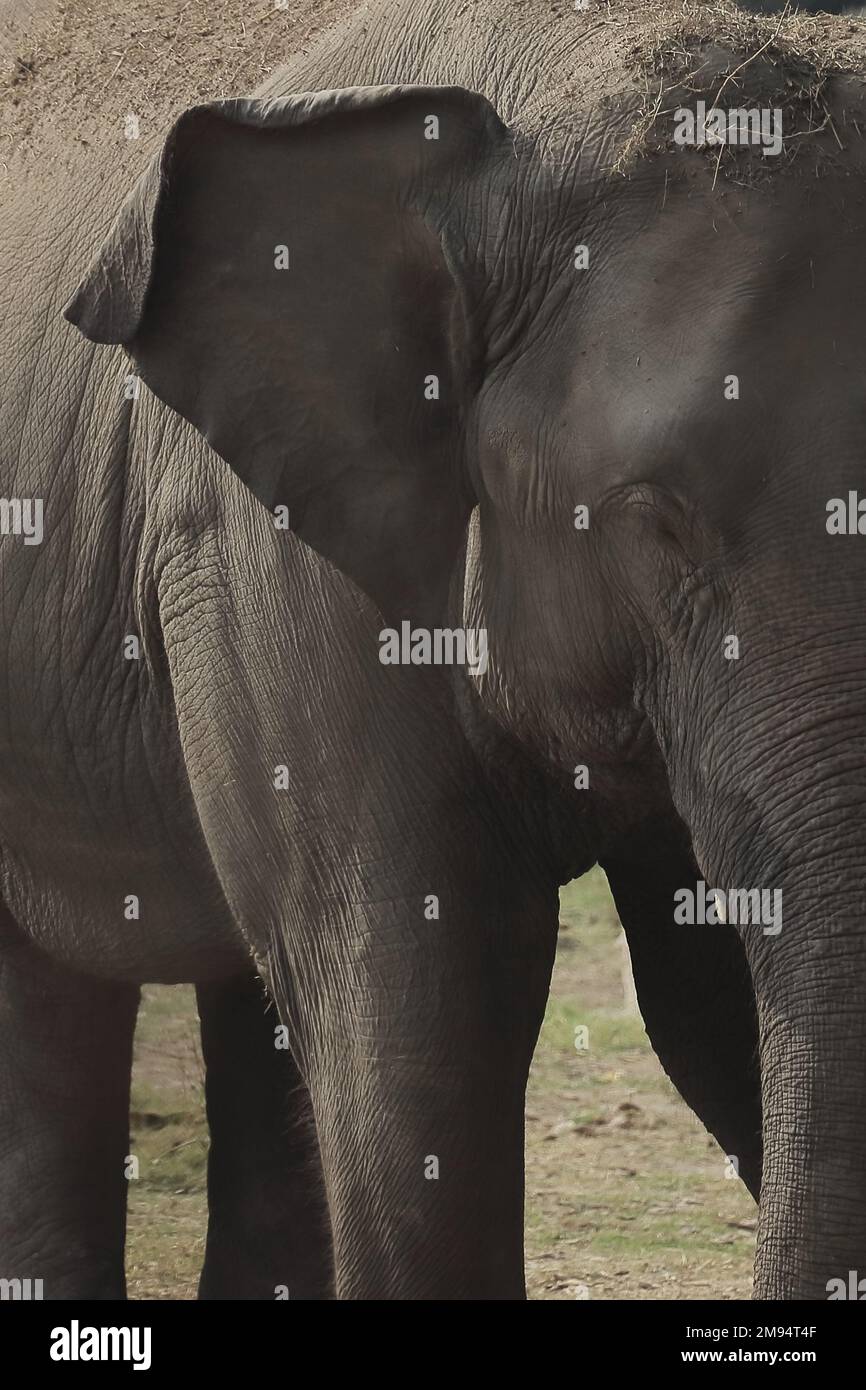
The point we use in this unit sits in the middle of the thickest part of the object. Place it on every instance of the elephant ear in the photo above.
(290, 278)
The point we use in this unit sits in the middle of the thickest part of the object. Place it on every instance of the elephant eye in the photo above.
(669, 523)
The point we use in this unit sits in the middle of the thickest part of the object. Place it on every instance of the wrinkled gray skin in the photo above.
(259, 648)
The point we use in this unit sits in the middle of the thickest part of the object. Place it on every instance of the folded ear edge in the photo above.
(109, 303)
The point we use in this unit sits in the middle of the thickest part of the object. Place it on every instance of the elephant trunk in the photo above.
(812, 1018)
(806, 954)
(788, 817)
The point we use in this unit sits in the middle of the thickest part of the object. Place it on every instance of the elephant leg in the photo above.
(695, 992)
(418, 1081)
(268, 1227)
(65, 1063)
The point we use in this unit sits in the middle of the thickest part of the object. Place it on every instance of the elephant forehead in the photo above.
(719, 320)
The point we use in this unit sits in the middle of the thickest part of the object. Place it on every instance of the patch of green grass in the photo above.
(589, 897)
(172, 1156)
(607, 1032)
(168, 1129)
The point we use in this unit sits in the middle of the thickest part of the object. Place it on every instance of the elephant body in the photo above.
(207, 772)
(131, 854)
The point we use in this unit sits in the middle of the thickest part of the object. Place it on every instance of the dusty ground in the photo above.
(626, 1194)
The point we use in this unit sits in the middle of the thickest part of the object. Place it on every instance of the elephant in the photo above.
(442, 331)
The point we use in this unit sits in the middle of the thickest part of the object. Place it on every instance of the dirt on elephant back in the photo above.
(808, 69)
(73, 71)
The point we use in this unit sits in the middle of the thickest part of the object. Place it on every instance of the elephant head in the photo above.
(390, 313)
